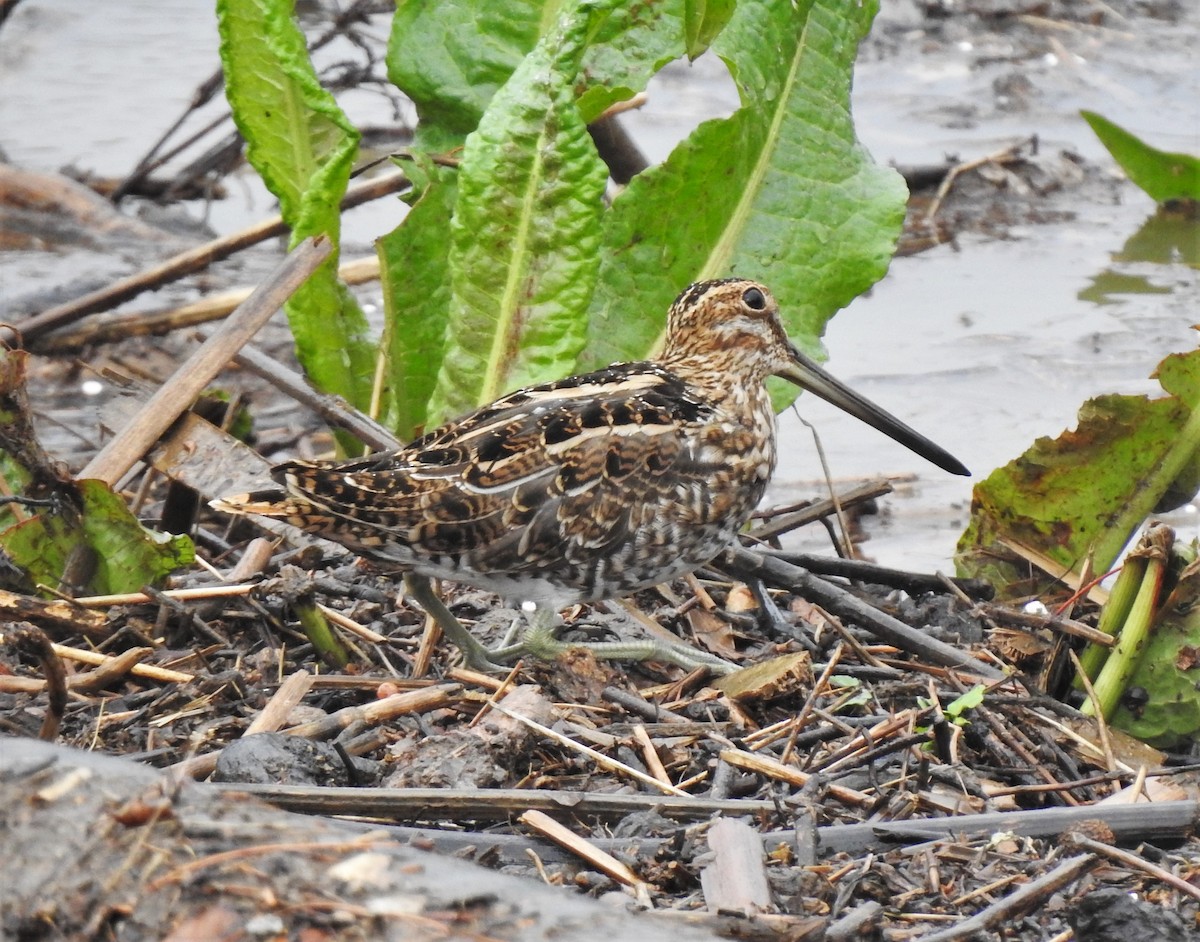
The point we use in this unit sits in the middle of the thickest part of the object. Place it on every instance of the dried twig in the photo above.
(34, 642)
(783, 520)
(178, 393)
(599, 758)
(1083, 842)
(1004, 614)
(490, 804)
(744, 563)
(197, 594)
(773, 768)
(650, 755)
(279, 707)
(1017, 902)
(1003, 156)
(60, 616)
(119, 665)
(603, 861)
(859, 570)
(333, 409)
(349, 624)
(211, 307)
(188, 262)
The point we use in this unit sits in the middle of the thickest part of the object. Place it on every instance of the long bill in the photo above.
(807, 375)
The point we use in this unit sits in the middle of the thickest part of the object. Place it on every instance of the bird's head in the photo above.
(731, 330)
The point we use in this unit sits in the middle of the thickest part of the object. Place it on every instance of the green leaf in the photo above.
(451, 57)
(1163, 176)
(968, 701)
(850, 693)
(525, 233)
(87, 528)
(1087, 491)
(303, 147)
(414, 260)
(630, 44)
(41, 546)
(120, 554)
(780, 191)
(703, 20)
(129, 555)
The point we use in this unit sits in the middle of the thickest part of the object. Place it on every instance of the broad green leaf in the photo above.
(525, 233)
(630, 44)
(1163, 176)
(450, 57)
(1087, 491)
(128, 555)
(414, 260)
(40, 546)
(87, 527)
(303, 147)
(780, 191)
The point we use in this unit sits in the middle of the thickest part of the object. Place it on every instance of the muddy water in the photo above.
(992, 342)
(983, 344)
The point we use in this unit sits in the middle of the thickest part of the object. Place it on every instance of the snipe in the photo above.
(588, 488)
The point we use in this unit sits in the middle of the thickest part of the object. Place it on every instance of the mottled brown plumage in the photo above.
(590, 487)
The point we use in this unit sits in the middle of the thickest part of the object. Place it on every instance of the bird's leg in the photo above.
(540, 640)
(475, 655)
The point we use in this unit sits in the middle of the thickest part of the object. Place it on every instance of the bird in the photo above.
(584, 489)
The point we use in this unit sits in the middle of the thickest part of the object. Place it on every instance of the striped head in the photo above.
(729, 329)
(726, 336)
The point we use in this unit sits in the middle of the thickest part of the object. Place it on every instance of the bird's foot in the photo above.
(541, 641)
(475, 655)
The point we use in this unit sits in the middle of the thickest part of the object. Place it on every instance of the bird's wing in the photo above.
(587, 457)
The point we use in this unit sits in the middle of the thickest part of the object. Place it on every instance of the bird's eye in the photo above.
(754, 299)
